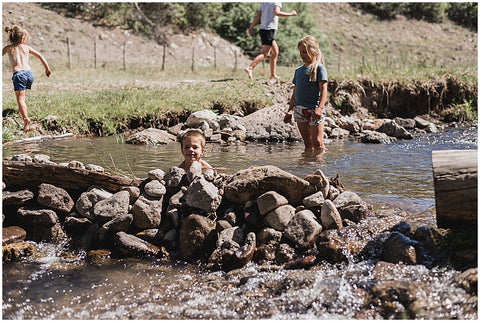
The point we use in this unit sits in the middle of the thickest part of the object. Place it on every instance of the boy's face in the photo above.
(304, 55)
(192, 149)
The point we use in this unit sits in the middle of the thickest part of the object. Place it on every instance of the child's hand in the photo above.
(287, 118)
(293, 13)
(48, 72)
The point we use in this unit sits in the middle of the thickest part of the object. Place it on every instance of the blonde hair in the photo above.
(16, 34)
(192, 133)
(313, 51)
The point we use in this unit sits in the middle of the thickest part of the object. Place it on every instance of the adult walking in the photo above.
(267, 15)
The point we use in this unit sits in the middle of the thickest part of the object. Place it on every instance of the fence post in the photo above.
(95, 52)
(193, 59)
(69, 53)
(236, 61)
(163, 59)
(215, 57)
(339, 62)
(125, 56)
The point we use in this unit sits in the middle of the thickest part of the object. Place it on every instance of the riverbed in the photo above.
(55, 286)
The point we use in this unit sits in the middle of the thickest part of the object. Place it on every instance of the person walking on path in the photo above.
(267, 15)
(18, 54)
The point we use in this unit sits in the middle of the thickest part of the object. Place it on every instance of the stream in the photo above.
(52, 285)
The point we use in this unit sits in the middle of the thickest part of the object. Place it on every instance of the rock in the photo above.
(375, 137)
(132, 246)
(268, 235)
(302, 262)
(178, 199)
(174, 217)
(176, 129)
(41, 158)
(156, 174)
(279, 217)
(393, 129)
(339, 133)
(320, 181)
(112, 207)
(147, 212)
(173, 177)
(194, 171)
(431, 128)
(330, 217)
(117, 224)
(350, 206)
(203, 194)
(76, 164)
(151, 136)
(315, 200)
(468, 280)
(22, 157)
(16, 198)
(209, 174)
(76, 226)
(94, 167)
(205, 115)
(284, 254)
(352, 125)
(13, 234)
(406, 123)
(54, 198)
(17, 251)
(230, 216)
(222, 225)
(155, 189)
(88, 199)
(98, 256)
(153, 235)
(270, 201)
(372, 125)
(252, 214)
(265, 253)
(303, 229)
(197, 236)
(37, 217)
(245, 253)
(399, 248)
(420, 122)
(133, 191)
(250, 183)
(234, 234)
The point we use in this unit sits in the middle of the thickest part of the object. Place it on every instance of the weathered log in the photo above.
(30, 175)
(456, 188)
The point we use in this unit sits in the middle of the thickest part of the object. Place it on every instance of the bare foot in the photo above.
(275, 77)
(26, 124)
(249, 72)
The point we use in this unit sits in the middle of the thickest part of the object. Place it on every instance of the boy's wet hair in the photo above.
(193, 133)
(16, 34)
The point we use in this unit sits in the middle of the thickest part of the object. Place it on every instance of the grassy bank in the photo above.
(109, 100)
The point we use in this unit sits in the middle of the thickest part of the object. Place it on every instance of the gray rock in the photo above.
(280, 217)
(230, 216)
(234, 234)
(155, 189)
(147, 212)
(76, 226)
(174, 217)
(351, 206)
(37, 217)
(117, 224)
(431, 128)
(16, 198)
(399, 248)
(203, 194)
(250, 183)
(351, 124)
(76, 164)
(54, 198)
(406, 123)
(94, 167)
(178, 199)
(303, 229)
(22, 157)
(372, 125)
(269, 201)
(88, 199)
(468, 280)
(42, 158)
(151, 136)
(173, 177)
(112, 207)
(205, 115)
(221, 225)
(320, 181)
(133, 191)
(268, 235)
(156, 174)
(154, 235)
(132, 246)
(197, 236)
(339, 133)
(176, 129)
(421, 123)
(194, 171)
(375, 137)
(210, 174)
(315, 200)
(393, 129)
(203, 126)
(330, 217)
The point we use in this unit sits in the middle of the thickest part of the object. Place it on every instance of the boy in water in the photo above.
(18, 54)
(193, 146)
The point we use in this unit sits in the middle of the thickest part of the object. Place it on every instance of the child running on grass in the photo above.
(18, 54)
(309, 96)
(193, 147)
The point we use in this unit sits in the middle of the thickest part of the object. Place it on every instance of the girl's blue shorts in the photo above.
(22, 80)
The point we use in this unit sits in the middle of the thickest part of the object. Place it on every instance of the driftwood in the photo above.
(30, 175)
(455, 180)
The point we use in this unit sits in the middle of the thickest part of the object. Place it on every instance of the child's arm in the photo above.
(5, 49)
(323, 99)
(289, 113)
(254, 22)
(280, 13)
(35, 53)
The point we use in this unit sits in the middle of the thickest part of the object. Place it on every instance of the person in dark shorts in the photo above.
(267, 15)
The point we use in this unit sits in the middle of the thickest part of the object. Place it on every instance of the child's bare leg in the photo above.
(304, 130)
(317, 135)
(273, 60)
(257, 60)
(22, 109)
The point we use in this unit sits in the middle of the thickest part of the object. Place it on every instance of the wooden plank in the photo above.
(30, 175)
(455, 178)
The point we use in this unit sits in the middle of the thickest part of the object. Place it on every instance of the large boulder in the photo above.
(250, 183)
(197, 236)
(151, 136)
(203, 194)
(208, 116)
(391, 128)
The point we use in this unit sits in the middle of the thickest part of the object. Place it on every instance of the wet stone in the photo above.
(17, 251)
(117, 224)
(330, 217)
(16, 198)
(13, 234)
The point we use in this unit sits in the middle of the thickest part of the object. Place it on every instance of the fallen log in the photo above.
(30, 175)
(456, 188)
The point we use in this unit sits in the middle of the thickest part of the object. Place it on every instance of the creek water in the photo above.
(52, 285)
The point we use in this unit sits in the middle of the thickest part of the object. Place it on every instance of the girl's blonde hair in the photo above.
(16, 34)
(313, 51)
